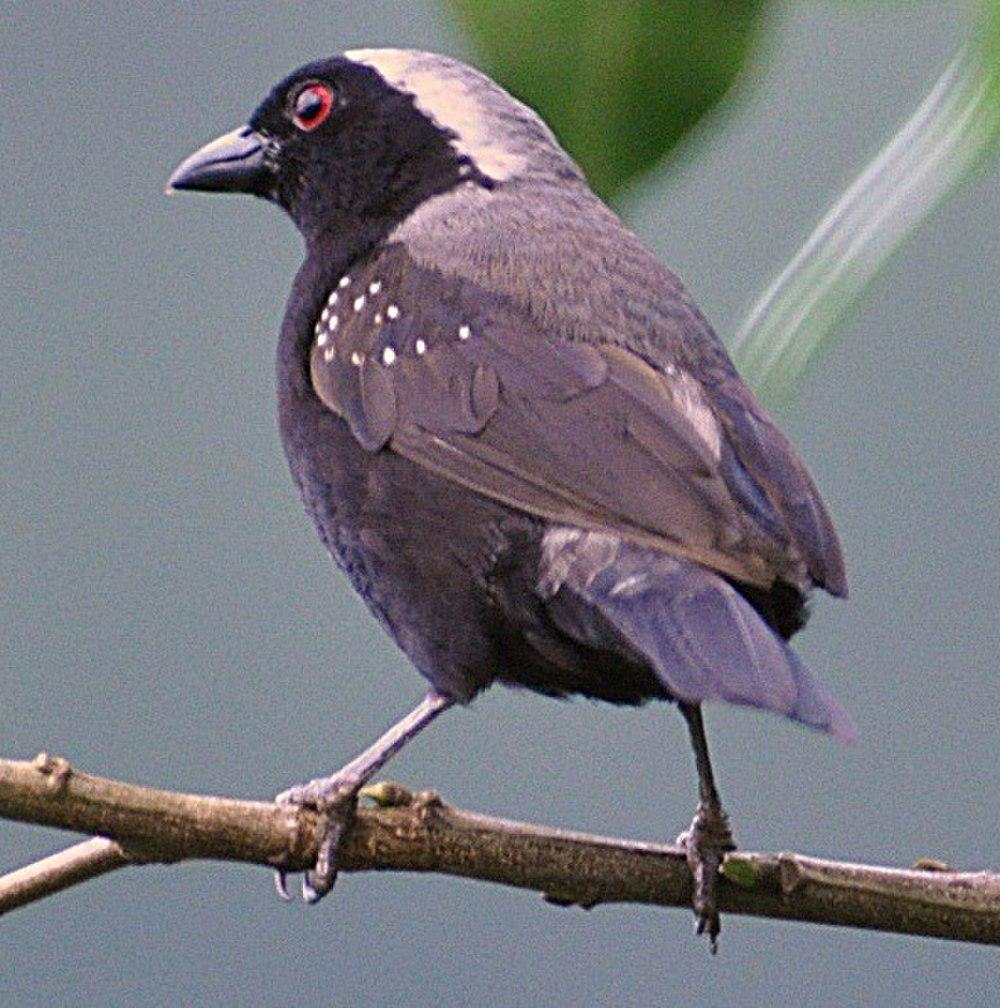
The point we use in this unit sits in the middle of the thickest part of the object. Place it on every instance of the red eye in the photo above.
(312, 106)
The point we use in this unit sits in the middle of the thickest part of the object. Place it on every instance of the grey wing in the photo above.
(596, 437)
(763, 462)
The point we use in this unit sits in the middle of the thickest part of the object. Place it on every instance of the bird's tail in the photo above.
(701, 638)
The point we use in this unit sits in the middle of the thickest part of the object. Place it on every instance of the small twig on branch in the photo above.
(65, 868)
(419, 833)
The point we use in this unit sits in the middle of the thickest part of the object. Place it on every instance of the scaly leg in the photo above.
(335, 797)
(708, 837)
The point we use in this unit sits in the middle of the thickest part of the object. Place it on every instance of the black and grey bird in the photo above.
(513, 428)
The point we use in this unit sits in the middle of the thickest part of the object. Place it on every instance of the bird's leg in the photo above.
(708, 838)
(335, 797)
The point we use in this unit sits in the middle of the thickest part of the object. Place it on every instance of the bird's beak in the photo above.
(233, 163)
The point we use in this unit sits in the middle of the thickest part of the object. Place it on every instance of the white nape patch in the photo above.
(575, 556)
(688, 397)
(457, 98)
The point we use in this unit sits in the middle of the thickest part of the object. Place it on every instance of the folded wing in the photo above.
(597, 437)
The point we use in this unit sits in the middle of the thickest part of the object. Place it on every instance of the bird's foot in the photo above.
(706, 842)
(335, 799)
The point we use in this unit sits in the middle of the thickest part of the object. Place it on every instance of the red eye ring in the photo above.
(312, 106)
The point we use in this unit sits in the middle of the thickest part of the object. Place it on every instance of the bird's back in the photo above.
(562, 257)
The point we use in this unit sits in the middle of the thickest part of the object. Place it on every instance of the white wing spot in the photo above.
(631, 586)
(325, 315)
(334, 322)
(328, 354)
(321, 339)
(392, 311)
(345, 280)
(374, 287)
(359, 303)
(356, 359)
(421, 347)
(689, 398)
(389, 356)
(378, 318)
(332, 299)
(464, 332)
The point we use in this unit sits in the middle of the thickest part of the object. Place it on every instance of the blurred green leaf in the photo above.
(620, 83)
(989, 43)
(955, 129)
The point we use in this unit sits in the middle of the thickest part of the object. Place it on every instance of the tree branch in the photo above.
(409, 832)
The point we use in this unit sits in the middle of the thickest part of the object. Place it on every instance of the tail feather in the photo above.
(700, 636)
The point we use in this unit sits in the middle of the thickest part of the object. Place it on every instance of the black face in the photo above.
(337, 148)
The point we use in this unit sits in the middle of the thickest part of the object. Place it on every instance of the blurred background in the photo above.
(169, 617)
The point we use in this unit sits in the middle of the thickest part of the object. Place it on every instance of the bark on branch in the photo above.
(407, 832)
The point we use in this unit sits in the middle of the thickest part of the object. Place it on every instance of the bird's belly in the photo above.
(418, 549)
(450, 574)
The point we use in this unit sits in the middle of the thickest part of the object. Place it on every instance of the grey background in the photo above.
(167, 615)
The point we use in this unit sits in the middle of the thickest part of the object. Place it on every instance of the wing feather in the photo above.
(598, 437)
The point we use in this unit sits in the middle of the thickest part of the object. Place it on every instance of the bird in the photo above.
(513, 428)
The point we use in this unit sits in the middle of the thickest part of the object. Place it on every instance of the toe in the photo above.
(320, 879)
(708, 924)
(335, 799)
(706, 842)
(290, 796)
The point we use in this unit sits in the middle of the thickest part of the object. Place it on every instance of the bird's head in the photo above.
(362, 139)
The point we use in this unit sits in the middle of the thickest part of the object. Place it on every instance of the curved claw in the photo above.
(316, 886)
(309, 894)
(281, 884)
